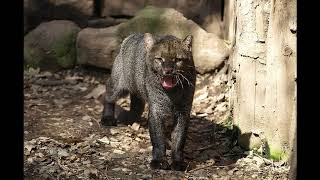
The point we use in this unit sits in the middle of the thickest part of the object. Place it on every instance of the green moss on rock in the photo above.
(64, 50)
(154, 20)
(276, 154)
(32, 56)
(51, 46)
(249, 141)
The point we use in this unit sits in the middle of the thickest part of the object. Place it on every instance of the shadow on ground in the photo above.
(207, 142)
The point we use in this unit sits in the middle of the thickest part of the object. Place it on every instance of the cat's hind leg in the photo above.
(136, 108)
(111, 96)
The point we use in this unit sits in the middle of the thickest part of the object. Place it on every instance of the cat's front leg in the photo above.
(156, 129)
(178, 139)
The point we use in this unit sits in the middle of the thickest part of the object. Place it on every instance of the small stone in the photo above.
(135, 126)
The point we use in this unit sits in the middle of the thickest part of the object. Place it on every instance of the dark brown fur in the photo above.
(143, 64)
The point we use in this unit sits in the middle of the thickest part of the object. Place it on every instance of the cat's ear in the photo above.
(148, 41)
(187, 42)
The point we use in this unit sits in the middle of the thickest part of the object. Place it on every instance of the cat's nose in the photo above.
(167, 71)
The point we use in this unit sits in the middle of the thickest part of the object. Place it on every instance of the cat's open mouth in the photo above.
(168, 82)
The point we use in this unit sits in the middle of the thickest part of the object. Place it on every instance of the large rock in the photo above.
(206, 13)
(209, 51)
(37, 11)
(121, 7)
(98, 47)
(130, 8)
(51, 46)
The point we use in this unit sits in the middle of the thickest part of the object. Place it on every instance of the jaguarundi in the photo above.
(158, 70)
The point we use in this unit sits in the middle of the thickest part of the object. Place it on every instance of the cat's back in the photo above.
(130, 63)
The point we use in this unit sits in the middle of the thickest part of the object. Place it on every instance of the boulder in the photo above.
(51, 45)
(209, 51)
(105, 22)
(206, 13)
(121, 7)
(98, 47)
(37, 11)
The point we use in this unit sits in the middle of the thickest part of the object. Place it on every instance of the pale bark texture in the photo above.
(263, 72)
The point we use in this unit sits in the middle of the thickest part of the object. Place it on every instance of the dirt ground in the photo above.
(63, 138)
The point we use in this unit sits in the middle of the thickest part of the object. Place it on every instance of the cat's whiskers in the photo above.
(179, 80)
(189, 66)
(185, 79)
(181, 71)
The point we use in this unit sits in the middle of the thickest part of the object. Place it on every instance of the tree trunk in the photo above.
(264, 74)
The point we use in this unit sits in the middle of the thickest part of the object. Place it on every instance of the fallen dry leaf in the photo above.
(104, 140)
(96, 92)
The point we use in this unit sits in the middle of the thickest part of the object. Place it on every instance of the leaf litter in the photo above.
(63, 139)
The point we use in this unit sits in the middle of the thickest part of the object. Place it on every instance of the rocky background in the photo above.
(65, 33)
(69, 48)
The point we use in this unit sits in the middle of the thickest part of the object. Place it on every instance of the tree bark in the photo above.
(264, 72)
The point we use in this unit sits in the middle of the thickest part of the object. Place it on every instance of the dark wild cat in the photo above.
(158, 70)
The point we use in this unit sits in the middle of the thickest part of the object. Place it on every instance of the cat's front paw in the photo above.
(156, 164)
(108, 121)
(178, 166)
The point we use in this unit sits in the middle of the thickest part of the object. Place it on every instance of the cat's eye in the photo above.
(179, 62)
(158, 60)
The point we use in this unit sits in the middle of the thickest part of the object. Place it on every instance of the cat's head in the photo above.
(170, 59)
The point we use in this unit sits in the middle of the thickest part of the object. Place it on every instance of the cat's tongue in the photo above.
(168, 82)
